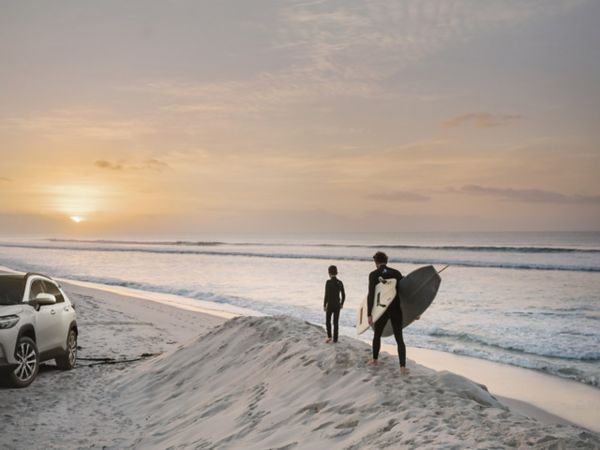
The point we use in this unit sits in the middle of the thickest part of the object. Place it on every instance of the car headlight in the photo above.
(8, 321)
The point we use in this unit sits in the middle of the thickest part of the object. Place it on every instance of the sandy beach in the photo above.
(252, 382)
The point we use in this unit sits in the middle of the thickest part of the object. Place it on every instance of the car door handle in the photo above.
(66, 308)
(52, 311)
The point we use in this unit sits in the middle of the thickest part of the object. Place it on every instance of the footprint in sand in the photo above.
(313, 408)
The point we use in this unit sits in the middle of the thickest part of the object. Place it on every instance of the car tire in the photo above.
(69, 359)
(28, 360)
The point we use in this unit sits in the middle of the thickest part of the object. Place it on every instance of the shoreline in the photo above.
(529, 392)
(544, 397)
(534, 394)
(249, 382)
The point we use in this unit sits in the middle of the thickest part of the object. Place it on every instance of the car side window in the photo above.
(37, 287)
(51, 288)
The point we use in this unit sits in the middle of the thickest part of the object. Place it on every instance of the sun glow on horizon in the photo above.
(77, 201)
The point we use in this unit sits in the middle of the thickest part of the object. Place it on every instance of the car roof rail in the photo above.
(32, 274)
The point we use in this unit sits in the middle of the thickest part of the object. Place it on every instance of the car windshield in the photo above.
(11, 290)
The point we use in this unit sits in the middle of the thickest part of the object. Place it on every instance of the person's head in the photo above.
(332, 271)
(380, 259)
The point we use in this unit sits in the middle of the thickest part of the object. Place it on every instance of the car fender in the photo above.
(29, 330)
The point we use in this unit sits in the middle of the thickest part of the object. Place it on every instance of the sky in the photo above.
(179, 116)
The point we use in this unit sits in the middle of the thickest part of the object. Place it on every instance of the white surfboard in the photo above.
(385, 291)
(417, 290)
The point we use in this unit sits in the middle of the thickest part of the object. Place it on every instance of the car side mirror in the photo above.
(45, 299)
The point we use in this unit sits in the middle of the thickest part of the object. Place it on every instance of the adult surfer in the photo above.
(333, 302)
(393, 313)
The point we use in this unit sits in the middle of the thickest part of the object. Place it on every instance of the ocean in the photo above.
(527, 299)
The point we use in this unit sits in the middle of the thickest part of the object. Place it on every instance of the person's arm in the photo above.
(325, 296)
(371, 294)
(343, 292)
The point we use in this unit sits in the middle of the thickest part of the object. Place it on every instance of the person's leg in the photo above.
(328, 324)
(336, 319)
(396, 318)
(378, 330)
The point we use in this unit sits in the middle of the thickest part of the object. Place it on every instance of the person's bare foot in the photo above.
(404, 371)
(328, 340)
(373, 362)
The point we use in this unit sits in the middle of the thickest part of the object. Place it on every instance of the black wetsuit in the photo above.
(392, 313)
(333, 302)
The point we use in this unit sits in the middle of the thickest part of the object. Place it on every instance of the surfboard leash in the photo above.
(443, 268)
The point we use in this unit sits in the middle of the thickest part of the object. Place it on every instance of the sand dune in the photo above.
(271, 382)
(250, 383)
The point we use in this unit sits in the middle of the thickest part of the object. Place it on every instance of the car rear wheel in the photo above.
(28, 363)
(69, 359)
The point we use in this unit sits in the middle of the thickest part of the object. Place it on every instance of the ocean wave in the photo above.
(462, 248)
(588, 313)
(582, 373)
(404, 260)
(588, 356)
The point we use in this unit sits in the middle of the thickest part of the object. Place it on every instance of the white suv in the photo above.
(37, 323)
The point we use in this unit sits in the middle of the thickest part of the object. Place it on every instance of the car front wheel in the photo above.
(69, 359)
(28, 363)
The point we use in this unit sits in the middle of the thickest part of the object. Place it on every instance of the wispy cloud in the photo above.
(108, 165)
(400, 196)
(149, 164)
(79, 124)
(5, 179)
(480, 120)
(347, 37)
(342, 49)
(267, 93)
(530, 195)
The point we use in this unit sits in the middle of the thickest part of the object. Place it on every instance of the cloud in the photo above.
(84, 124)
(347, 48)
(255, 97)
(5, 179)
(374, 37)
(480, 120)
(149, 164)
(400, 196)
(156, 164)
(108, 165)
(530, 195)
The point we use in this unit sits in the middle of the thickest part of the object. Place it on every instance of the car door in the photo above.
(64, 313)
(46, 323)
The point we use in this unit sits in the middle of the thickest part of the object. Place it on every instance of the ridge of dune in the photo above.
(271, 382)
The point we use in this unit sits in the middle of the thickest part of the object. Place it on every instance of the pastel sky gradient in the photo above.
(181, 116)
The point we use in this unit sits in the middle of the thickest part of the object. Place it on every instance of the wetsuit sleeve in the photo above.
(343, 292)
(398, 278)
(371, 295)
(325, 296)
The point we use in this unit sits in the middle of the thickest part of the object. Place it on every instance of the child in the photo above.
(333, 302)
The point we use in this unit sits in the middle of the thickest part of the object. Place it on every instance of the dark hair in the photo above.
(380, 258)
(332, 270)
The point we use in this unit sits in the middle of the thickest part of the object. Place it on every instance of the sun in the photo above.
(77, 219)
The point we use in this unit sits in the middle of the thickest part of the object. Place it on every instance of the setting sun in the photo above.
(77, 219)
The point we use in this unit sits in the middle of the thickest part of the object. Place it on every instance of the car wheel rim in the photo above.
(27, 361)
(72, 344)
